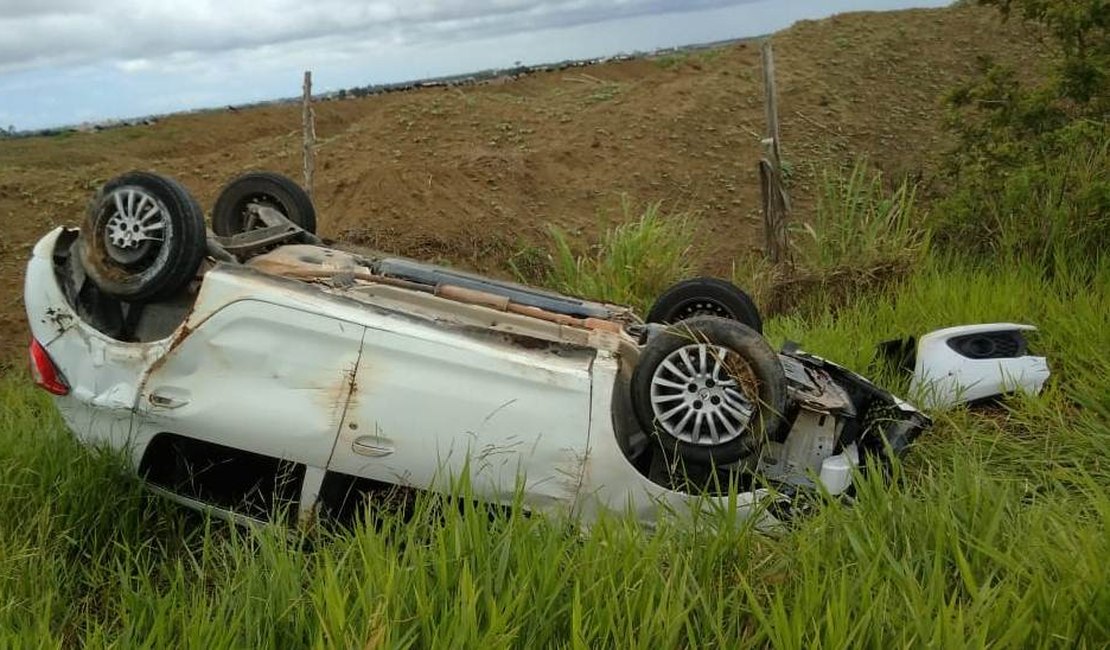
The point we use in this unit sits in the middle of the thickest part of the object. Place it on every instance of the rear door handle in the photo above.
(371, 446)
(165, 400)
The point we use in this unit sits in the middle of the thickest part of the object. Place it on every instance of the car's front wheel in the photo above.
(710, 389)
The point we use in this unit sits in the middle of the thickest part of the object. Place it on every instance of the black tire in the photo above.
(705, 297)
(229, 216)
(753, 371)
(143, 238)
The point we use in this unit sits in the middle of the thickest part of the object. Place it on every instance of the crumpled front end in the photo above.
(877, 422)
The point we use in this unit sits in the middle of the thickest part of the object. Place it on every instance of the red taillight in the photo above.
(44, 372)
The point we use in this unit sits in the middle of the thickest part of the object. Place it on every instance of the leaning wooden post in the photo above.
(308, 120)
(776, 204)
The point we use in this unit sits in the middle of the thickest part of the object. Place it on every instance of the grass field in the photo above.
(994, 532)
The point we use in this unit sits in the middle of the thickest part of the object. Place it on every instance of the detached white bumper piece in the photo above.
(974, 362)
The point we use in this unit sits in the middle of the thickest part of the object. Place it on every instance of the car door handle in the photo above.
(371, 446)
(163, 399)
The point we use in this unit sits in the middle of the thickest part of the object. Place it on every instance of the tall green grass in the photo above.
(863, 234)
(860, 224)
(634, 261)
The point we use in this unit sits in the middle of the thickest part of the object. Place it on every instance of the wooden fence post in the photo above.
(776, 204)
(308, 124)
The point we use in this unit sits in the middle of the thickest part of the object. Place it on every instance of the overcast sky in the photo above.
(70, 61)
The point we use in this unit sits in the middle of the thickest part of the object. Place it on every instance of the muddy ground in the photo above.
(472, 176)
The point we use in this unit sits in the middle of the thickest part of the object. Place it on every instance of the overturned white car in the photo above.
(252, 367)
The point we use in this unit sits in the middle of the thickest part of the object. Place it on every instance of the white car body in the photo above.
(380, 383)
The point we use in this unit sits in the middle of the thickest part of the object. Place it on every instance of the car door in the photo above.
(434, 404)
(255, 376)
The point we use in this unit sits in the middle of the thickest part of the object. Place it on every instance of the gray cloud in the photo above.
(142, 33)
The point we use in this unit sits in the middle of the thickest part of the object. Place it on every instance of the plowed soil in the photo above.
(472, 176)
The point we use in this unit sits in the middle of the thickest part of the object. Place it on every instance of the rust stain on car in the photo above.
(183, 333)
(340, 397)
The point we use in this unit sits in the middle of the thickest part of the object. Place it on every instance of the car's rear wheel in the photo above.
(710, 389)
(143, 237)
(705, 297)
(232, 215)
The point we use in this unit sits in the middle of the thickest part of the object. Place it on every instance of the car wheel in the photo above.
(231, 217)
(143, 237)
(705, 297)
(709, 388)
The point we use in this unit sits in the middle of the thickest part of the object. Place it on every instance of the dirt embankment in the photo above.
(471, 176)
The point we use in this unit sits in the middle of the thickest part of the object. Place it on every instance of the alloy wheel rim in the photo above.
(697, 398)
(136, 222)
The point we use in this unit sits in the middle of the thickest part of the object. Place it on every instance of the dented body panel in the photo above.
(431, 405)
(104, 374)
(233, 381)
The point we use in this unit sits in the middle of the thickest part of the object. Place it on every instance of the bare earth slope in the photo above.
(471, 176)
